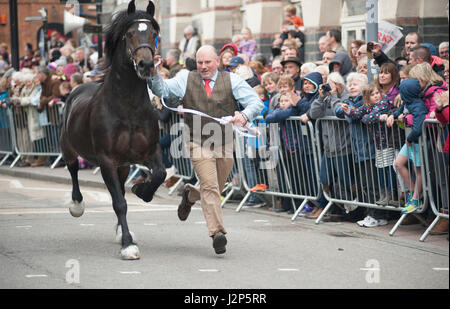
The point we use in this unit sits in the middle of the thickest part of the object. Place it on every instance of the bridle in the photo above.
(131, 53)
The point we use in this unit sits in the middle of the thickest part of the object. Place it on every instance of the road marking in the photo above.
(288, 269)
(260, 221)
(16, 184)
(24, 226)
(200, 222)
(150, 224)
(36, 276)
(209, 270)
(438, 269)
(87, 224)
(130, 272)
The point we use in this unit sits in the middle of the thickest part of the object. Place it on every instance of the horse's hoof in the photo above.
(130, 253)
(76, 209)
(118, 238)
(139, 190)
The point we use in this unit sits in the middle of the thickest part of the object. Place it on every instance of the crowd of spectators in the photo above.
(409, 88)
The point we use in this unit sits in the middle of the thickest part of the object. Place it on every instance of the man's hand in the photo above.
(401, 117)
(157, 59)
(239, 119)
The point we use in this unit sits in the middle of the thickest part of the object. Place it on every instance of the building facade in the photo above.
(218, 20)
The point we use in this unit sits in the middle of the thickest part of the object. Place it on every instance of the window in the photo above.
(353, 21)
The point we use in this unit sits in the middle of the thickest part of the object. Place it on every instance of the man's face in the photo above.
(411, 41)
(443, 53)
(291, 69)
(323, 44)
(277, 67)
(327, 57)
(207, 63)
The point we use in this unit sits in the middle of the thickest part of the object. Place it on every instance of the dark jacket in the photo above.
(303, 107)
(287, 129)
(410, 91)
(344, 61)
(363, 146)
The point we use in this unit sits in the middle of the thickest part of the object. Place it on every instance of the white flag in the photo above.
(388, 35)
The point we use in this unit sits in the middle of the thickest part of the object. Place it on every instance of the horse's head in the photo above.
(141, 40)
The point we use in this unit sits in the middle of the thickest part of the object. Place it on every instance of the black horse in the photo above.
(111, 123)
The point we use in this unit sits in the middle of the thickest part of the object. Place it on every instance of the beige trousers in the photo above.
(212, 168)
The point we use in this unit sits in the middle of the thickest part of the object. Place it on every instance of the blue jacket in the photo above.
(303, 106)
(288, 133)
(410, 91)
(363, 146)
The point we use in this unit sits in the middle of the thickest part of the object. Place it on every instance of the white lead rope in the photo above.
(223, 120)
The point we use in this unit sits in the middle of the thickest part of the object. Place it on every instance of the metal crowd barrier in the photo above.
(7, 141)
(435, 170)
(29, 136)
(363, 168)
(287, 171)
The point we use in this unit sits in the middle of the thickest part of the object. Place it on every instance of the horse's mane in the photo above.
(116, 30)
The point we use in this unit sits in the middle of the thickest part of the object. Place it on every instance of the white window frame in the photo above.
(355, 23)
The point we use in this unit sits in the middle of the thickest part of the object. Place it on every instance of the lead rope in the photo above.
(248, 127)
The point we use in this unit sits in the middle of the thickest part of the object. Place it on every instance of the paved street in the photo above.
(42, 246)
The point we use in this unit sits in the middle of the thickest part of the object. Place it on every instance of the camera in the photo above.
(370, 46)
(326, 88)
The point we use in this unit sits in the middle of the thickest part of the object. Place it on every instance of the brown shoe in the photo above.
(440, 228)
(41, 160)
(184, 209)
(315, 213)
(219, 243)
(171, 181)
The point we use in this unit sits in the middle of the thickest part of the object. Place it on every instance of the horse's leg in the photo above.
(146, 190)
(77, 207)
(71, 158)
(123, 172)
(112, 181)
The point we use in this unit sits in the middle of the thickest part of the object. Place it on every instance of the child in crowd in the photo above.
(290, 13)
(289, 148)
(410, 91)
(269, 81)
(375, 105)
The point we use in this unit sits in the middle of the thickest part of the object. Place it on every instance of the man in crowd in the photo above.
(173, 61)
(323, 44)
(291, 67)
(412, 40)
(334, 40)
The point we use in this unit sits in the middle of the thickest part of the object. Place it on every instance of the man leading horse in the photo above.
(217, 94)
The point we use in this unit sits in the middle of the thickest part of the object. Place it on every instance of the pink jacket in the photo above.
(428, 99)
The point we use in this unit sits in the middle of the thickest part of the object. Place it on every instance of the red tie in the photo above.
(207, 87)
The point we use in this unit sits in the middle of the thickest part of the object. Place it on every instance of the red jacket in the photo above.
(442, 116)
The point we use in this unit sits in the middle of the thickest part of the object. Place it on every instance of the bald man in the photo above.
(216, 93)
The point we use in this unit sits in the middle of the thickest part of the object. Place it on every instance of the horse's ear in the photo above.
(151, 8)
(131, 7)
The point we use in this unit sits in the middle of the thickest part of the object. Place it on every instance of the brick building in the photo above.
(28, 30)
